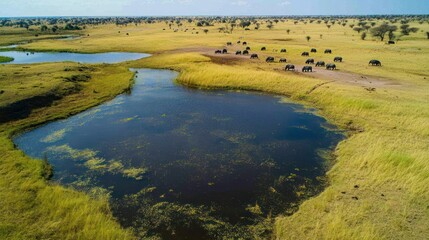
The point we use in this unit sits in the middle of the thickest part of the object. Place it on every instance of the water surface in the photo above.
(189, 164)
(27, 57)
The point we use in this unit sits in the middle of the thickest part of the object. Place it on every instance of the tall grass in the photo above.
(32, 208)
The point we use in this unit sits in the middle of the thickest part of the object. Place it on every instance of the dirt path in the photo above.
(338, 76)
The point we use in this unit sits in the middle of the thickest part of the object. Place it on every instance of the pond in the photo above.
(27, 57)
(182, 163)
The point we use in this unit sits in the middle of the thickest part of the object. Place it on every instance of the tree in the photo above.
(329, 26)
(381, 30)
(363, 36)
(358, 29)
(206, 31)
(391, 36)
(55, 28)
(43, 28)
(270, 26)
(308, 38)
(406, 30)
(69, 26)
(245, 24)
(351, 26)
(427, 33)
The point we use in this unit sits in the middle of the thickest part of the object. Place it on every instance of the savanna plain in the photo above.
(377, 185)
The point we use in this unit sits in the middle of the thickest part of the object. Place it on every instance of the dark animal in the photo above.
(238, 42)
(307, 69)
(309, 61)
(305, 54)
(283, 50)
(328, 51)
(238, 53)
(254, 56)
(269, 59)
(224, 51)
(283, 60)
(331, 66)
(314, 50)
(375, 63)
(247, 48)
(229, 43)
(244, 43)
(290, 67)
(218, 52)
(338, 59)
(245, 52)
(391, 42)
(263, 48)
(320, 64)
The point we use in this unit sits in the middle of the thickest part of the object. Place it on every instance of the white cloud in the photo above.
(240, 3)
(166, 1)
(285, 3)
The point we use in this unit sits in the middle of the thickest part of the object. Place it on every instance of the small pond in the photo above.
(27, 57)
(182, 163)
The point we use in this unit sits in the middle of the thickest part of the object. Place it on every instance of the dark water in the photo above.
(189, 164)
(26, 57)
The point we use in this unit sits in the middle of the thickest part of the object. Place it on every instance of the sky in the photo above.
(19, 8)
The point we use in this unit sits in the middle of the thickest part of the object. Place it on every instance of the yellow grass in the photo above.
(385, 156)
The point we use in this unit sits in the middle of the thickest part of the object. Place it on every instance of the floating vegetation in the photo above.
(222, 119)
(55, 136)
(236, 137)
(89, 159)
(125, 120)
(136, 173)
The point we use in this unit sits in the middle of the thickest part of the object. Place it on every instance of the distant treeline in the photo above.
(364, 22)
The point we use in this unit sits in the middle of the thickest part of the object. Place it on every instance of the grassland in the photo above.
(30, 207)
(379, 182)
(5, 59)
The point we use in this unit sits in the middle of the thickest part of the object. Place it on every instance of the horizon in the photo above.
(164, 8)
(196, 16)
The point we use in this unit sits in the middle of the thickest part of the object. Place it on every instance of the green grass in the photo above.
(31, 207)
(385, 154)
(4, 59)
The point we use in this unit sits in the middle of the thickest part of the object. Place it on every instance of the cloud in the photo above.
(240, 3)
(166, 2)
(285, 3)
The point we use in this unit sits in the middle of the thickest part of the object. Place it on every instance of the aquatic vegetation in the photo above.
(4, 59)
(236, 137)
(89, 159)
(96, 164)
(127, 119)
(55, 136)
(136, 173)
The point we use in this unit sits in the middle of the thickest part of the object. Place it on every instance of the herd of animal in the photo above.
(291, 67)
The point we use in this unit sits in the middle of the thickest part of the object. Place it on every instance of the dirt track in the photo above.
(337, 76)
